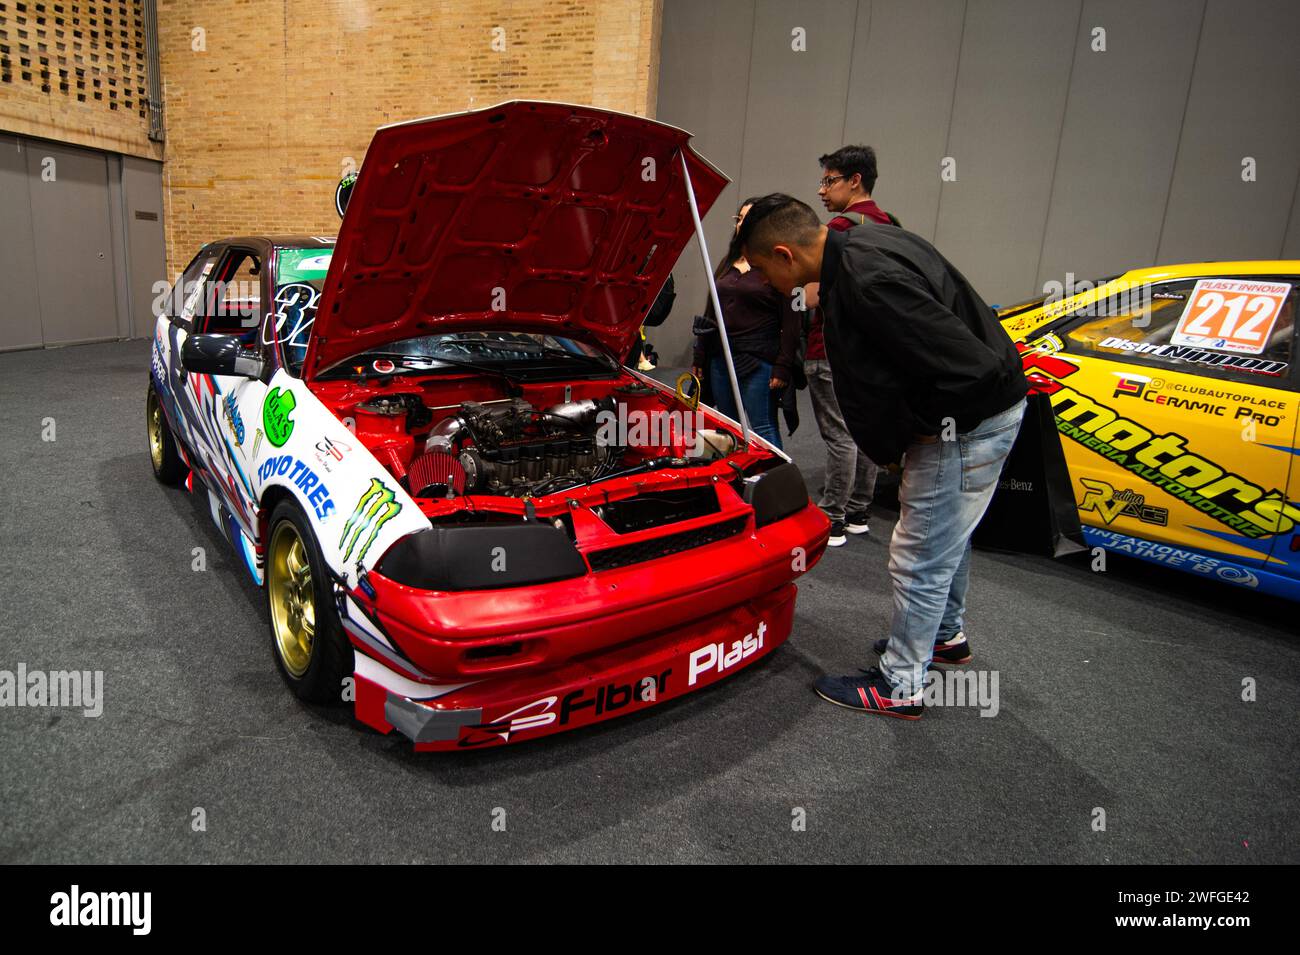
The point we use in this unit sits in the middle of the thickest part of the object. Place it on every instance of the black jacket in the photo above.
(909, 341)
(762, 326)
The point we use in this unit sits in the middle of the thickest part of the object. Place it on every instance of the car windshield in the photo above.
(299, 278)
(523, 354)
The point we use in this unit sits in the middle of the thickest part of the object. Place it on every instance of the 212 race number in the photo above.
(1232, 315)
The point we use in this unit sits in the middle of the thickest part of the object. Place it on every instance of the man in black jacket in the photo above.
(925, 376)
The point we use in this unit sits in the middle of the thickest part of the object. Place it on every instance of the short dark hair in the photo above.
(777, 218)
(848, 160)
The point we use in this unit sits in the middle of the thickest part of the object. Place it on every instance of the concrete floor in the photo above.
(1119, 691)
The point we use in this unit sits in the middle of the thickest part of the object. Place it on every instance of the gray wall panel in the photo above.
(1007, 115)
(76, 262)
(1242, 103)
(142, 190)
(1067, 160)
(796, 99)
(900, 100)
(703, 85)
(20, 307)
(73, 242)
(1291, 244)
(1117, 148)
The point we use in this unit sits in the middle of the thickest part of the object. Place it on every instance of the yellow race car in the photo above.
(1175, 395)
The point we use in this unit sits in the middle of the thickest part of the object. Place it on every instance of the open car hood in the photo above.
(527, 216)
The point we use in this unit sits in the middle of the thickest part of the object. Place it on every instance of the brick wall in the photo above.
(268, 101)
(74, 71)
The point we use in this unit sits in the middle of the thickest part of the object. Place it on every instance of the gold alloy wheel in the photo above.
(293, 601)
(156, 425)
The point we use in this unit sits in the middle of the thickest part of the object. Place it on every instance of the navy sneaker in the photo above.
(856, 523)
(870, 693)
(953, 652)
(837, 538)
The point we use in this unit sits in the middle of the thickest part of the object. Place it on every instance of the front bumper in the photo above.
(662, 666)
(444, 637)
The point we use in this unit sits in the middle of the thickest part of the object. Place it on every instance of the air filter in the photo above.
(434, 473)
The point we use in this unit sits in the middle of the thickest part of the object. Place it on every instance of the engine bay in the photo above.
(512, 448)
(444, 439)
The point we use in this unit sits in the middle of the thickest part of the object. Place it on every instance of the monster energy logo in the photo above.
(376, 508)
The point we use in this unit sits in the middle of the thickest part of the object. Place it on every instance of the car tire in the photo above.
(163, 455)
(307, 638)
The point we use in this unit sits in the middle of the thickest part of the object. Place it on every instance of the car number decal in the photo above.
(1231, 315)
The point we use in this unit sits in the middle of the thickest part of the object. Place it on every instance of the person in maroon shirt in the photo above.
(848, 176)
(765, 333)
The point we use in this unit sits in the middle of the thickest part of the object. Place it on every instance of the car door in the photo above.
(1178, 438)
(1284, 558)
(186, 308)
(230, 406)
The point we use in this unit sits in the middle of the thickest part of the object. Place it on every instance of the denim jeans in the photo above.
(946, 488)
(760, 400)
(850, 474)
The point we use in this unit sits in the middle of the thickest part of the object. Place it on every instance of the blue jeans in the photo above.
(946, 488)
(760, 400)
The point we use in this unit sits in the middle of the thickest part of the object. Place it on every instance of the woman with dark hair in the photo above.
(765, 336)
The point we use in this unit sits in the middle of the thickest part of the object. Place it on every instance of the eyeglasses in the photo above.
(827, 181)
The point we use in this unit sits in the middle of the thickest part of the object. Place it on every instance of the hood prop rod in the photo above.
(713, 297)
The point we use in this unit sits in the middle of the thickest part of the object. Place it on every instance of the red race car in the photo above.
(469, 516)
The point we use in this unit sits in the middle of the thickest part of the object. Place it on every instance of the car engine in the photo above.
(511, 448)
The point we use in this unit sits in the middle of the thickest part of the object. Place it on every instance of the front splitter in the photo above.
(626, 679)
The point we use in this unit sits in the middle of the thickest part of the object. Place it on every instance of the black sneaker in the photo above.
(870, 693)
(837, 537)
(953, 652)
(856, 523)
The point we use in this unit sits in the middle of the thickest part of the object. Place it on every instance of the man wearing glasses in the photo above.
(848, 176)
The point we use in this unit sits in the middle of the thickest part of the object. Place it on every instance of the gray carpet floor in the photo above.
(1119, 691)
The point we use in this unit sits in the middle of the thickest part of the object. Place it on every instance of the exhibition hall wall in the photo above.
(259, 109)
(269, 104)
(1078, 136)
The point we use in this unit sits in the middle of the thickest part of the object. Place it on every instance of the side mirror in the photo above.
(219, 355)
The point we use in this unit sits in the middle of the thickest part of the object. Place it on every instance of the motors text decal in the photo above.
(1161, 459)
